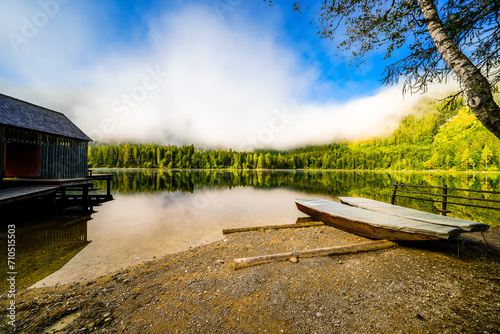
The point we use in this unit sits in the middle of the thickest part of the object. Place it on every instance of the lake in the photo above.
(157, 212)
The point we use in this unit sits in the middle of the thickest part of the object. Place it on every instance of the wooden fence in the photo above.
(445, 196)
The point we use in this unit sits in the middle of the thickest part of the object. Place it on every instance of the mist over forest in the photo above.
(430, 138)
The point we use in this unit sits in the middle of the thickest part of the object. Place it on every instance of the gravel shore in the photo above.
(423, 287)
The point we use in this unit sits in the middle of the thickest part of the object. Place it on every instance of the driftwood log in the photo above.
(261, 228)
(335, 250)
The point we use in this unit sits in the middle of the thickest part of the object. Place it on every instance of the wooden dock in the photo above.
(9, 182)
(15, 194)
(65, 192)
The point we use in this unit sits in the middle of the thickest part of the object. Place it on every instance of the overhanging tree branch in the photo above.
(460, 38)
(476, 87)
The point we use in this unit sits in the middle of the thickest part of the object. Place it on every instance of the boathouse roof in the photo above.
(25, 115)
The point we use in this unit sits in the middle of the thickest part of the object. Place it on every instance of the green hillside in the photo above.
(434, 139)
(429, 138)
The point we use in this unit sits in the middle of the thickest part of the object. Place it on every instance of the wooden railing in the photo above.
(445, 196)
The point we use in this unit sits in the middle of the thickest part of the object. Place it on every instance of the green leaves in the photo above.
(364, 26)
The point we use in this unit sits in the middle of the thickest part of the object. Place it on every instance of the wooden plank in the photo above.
(46, 182)
(14, 194)
(100, 177)
(301, 220)
(335, 250)
(261, 228)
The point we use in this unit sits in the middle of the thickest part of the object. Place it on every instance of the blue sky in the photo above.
(216, 73)
(129, 22)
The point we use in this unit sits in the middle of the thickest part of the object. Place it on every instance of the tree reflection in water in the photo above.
(372, 184)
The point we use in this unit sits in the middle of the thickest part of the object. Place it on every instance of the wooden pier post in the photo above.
(85, 195)
(108, 187)
(393, 198)
(445, 199)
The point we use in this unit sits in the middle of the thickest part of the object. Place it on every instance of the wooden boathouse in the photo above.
(41, 153)
(38, 142)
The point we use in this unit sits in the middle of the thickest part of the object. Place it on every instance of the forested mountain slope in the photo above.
(428, 138)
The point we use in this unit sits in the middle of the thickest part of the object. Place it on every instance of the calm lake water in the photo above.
(160, 212)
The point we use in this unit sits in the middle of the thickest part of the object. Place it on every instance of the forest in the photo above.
(430, 137)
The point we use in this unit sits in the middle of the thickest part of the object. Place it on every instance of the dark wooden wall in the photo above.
(23, 160)
(62, 158)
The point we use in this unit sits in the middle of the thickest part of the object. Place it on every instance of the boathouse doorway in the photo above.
(23, 160)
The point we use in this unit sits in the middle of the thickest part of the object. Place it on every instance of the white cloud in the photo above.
(195, 79)
(43, 40)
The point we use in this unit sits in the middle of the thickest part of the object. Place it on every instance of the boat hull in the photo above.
(395, 210)
(362, 229)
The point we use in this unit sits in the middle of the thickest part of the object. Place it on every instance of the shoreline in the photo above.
(301, 169)
(422, 287)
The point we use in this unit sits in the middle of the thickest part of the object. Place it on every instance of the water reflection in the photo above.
(159, 212)
(43, 247)
(142, 226)
(375, 185)
(132, 181)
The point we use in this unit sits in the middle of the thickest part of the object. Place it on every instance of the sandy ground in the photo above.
(423, 287)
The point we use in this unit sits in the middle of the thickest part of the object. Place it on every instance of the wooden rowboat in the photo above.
(372, 224)
(400, 211)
